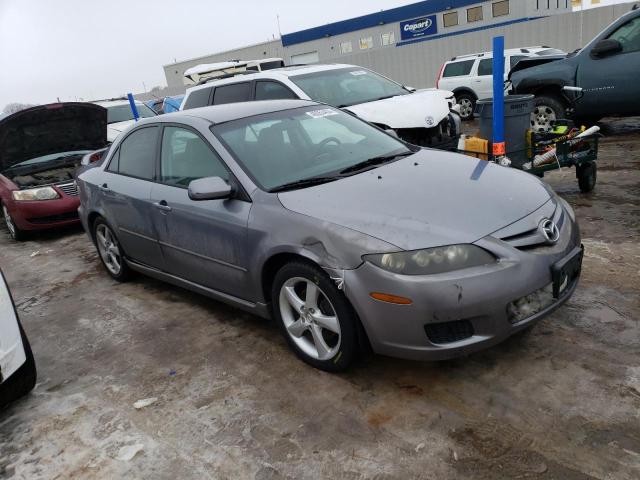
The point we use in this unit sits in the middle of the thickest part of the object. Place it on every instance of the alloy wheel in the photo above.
(108, 249)
(542, 118)
(8, 221)
(309, 318)
(466, 107)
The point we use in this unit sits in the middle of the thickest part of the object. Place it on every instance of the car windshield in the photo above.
(347, 86)
(309, 144)
(52, 157)
(123, 113)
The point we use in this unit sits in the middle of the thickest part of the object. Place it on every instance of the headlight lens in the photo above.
(432, 260)
(43, 193)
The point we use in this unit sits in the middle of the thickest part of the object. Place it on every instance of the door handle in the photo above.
(163, 205)
(104, 187)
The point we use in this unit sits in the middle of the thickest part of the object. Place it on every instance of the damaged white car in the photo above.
(428, 118)
(17, 366)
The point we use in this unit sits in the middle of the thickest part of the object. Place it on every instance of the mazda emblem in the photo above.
(549, 230)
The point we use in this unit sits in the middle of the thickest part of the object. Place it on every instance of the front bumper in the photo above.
(456, 313)
(43, 215)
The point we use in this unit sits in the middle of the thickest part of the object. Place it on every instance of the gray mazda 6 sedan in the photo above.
(344, 234)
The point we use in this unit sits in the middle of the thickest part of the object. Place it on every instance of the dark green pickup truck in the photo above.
(606, 73)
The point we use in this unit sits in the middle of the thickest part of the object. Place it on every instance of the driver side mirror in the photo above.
(209, 188)
(411, 89)
(606, 47)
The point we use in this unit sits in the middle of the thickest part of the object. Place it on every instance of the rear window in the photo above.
(198, 98)
(236, 92)
(550, 51)
(272, 91)
(123, 113)
(458, 69)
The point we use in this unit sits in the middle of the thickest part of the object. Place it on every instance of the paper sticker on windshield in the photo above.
(358, 72)
(326, 112)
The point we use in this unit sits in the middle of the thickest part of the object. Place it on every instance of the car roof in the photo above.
(290, 71)
(115, 103)
(233, 111)
(509, 51)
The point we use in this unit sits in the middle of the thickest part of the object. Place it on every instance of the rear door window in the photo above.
(485, 67)
(236, 92)
(198, 98)
(136, 154)
(266, 90)
(458, 69)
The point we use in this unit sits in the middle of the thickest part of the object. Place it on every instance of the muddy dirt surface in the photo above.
(559, 402)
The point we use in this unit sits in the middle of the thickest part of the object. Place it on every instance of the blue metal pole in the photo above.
(499, 147)
(134, 109)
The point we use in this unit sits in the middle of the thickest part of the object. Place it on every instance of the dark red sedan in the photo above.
(40, 149)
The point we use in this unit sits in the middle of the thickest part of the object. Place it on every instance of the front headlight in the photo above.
(432, 260)
(42, 193)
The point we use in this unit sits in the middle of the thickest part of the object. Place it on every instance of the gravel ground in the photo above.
(559, 402)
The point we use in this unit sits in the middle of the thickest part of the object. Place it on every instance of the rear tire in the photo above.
(547, 109)
(467, 104)
(23, 380)
(109, 250)
(321, 329)
(17, 234)
(587, 176)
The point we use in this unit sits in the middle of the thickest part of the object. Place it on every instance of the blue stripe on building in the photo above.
(393, 15)
(462, 32)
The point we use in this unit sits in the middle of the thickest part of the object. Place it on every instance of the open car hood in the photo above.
(529, 62)
(49, 129)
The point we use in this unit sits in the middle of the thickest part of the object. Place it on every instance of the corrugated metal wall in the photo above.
(418, 64)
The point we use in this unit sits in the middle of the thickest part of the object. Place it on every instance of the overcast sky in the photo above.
(101, 48)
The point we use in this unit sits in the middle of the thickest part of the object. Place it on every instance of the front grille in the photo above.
(70, 189)
(54, 218)
(532, 241)
(449, 332)
(441, 134)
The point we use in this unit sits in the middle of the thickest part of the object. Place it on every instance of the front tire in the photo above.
(467, 104)
(547, 109)
(110, 251)
(316, 319)
(23, 380)
(17, 234)
(587, 176)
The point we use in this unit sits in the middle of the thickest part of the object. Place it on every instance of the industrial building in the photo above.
(410, 43)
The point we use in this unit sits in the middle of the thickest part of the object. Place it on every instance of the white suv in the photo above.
(470, 77)
(120, 117)
(427, 117)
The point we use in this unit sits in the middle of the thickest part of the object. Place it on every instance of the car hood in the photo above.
(529, 62)
(425, 108)
(47, 129)
(115, 129)
(428, 199)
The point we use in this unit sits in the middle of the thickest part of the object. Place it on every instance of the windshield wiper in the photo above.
(373, 162)
(305, 182)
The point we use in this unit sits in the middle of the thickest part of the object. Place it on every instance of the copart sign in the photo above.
(418, 27)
